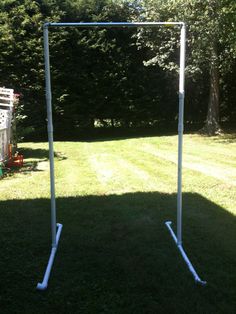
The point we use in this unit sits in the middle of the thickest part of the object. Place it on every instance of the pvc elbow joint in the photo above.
(42, 286)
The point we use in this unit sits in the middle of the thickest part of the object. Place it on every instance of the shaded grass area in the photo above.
(116, 256)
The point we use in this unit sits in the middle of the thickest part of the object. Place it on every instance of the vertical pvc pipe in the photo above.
(180, 132)
(50, 134)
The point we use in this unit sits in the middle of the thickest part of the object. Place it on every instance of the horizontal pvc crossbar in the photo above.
(114, 24)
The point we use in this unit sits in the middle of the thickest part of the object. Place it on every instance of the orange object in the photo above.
(14, 161)
(10, 151)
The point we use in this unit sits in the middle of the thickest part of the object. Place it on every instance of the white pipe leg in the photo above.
(178, 238)
(44, 284)
(185, 257)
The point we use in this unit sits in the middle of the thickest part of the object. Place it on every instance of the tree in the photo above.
(21, 54)
(96, 73)
(102, 77)
(211, 24)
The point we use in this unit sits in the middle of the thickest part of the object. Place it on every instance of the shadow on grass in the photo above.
(117, 256)
(226, 138)
(39, 153)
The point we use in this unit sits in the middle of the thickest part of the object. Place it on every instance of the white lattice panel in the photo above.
(6, 107)
(3, 145)
(6, 97)
(5, 118)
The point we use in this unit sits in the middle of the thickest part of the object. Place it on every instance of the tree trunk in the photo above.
(212, 126)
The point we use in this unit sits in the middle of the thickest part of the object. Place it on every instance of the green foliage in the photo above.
(104, 73)
(19, 129)
(207, 22)
(116, 77)
(21, 57)
(210, 42)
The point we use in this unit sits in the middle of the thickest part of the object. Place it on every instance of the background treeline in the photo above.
(120, 78)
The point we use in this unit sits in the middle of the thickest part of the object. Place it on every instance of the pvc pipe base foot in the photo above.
(201, 282)
(44, 284)
(41, 286)
(197, 279)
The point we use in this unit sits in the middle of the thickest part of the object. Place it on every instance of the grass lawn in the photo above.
(115, 254)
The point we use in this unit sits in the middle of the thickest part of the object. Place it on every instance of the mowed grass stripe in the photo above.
(74, 174)
(215, 189)
(227, 174)
(162, 173)
(218, 192)
(116, 174)
(146, 173)
(211, 149)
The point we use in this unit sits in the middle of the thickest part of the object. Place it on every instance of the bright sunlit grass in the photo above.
(129, 165)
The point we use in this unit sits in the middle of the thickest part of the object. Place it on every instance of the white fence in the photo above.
(6, 108)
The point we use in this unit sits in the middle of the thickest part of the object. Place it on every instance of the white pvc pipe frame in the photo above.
(57, 228)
